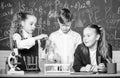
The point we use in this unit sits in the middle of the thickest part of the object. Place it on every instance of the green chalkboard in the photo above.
(103, 12)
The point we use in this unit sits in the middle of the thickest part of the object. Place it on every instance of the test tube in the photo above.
(99, 59)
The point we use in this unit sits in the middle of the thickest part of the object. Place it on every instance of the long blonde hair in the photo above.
(102, 43)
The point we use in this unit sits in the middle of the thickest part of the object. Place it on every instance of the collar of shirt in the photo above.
(93, 57)
(26, 35)
(60, 31)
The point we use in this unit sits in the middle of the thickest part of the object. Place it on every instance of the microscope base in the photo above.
(15, 72)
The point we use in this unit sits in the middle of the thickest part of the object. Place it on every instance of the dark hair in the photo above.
(64, 16)
(96, 27)
(23, 15)
(102, 43)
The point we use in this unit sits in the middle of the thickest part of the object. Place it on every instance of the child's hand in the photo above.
(43, 36)
(40, 36)
(88, 67)
(57, 58)
(101, 67)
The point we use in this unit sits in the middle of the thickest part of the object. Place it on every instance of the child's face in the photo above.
(29, 24)
(90, 37)
(65, 27)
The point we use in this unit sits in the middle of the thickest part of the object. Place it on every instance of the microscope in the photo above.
(13, 62)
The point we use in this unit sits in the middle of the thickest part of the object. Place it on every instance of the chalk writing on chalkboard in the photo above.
(103, 12)
(3, 6)
(117, 32)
